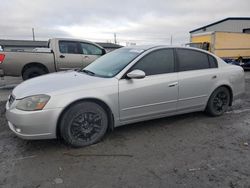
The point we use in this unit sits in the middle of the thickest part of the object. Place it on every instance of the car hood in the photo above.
(60, 82)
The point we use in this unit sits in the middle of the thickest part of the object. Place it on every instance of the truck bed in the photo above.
(15, 61)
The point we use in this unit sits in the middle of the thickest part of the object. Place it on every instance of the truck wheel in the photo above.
(83, 124)
(218, 102)
(32, 72)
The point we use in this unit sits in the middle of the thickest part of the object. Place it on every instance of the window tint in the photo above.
(212, 61)
(192, 60)
(157, 62)
(69, 47)
(90, 49)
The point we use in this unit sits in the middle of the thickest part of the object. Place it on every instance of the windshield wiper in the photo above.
(88, 72)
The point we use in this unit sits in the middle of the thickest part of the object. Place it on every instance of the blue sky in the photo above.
(134, 21)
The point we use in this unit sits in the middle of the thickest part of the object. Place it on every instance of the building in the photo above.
(29, 45)
(231, 24)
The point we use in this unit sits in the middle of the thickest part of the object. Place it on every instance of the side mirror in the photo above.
(103, 51)
(136, 74)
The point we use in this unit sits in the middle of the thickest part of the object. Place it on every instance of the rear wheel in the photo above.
(83, 124)
(32, 72)
(218, 102)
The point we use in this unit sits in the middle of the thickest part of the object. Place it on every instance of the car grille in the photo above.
(11, 99)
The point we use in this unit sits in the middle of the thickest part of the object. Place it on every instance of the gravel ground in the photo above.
(9, 81)
(191, 150)
(6, 84)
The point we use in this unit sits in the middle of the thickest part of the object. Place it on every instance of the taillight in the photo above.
(2, 56)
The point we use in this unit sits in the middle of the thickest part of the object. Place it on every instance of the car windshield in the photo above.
(112, 63)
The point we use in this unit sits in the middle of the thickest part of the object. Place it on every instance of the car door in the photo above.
(155, 94)
(69, 56)
(197, 76)
(90, 53)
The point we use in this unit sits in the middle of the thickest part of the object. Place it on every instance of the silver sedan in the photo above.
(128, 85)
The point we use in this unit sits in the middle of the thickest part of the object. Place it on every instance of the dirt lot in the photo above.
(191, 150)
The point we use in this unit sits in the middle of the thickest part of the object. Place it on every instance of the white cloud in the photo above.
(152, 21)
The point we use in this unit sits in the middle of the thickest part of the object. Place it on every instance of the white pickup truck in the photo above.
(61, 54)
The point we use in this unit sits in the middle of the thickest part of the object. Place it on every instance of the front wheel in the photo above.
(83, 124)
(218, 102)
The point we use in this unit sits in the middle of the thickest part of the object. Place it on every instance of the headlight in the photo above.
(32, 103)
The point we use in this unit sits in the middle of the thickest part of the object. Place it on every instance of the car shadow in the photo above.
(121, 132)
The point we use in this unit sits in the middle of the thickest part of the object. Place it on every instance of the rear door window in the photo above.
(212, 62)
(192, 60)
(69, 47)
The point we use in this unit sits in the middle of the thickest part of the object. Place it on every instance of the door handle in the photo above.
(173, 84)
(213, 77)
(62, 56)
(86, 57)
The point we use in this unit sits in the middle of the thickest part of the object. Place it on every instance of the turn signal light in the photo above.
(2, 56)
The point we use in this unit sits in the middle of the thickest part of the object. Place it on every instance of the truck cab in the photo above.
(74, 54)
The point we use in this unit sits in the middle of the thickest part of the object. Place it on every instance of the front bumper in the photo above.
(33, 124)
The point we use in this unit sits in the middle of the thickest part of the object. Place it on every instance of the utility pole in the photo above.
(115, 38)
(33, 34)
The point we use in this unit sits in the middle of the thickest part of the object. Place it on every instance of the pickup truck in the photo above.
(61, 54)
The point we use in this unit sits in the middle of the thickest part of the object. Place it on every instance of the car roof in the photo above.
(147, 47)
(143, 47)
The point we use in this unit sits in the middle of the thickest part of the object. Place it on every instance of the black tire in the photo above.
(218, 102)
(83, 124)
(32, 72)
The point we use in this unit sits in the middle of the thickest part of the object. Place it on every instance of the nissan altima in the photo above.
(128, 85)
